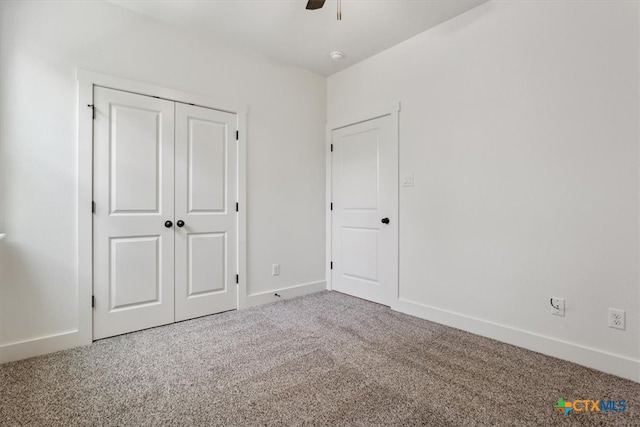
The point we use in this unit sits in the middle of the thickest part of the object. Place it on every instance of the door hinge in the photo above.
(237, 278)
(93, 301)
(332, 148)
(331, 265)
(93, 111)
(237, 207)
(237, 135)
(331, 207)
(93, 207)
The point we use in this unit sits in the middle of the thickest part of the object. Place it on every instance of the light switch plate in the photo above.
(407, 180)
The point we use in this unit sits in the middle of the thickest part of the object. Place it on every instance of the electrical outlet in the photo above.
(616, 318)
(557, 306)
(275, 270)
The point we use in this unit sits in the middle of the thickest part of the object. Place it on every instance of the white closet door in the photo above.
(205, 211)
(365, 206)
(134, 196)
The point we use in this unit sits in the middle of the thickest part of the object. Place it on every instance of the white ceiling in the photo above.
(285, 30)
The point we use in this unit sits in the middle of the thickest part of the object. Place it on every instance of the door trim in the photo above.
(364, 114)
(86, 82)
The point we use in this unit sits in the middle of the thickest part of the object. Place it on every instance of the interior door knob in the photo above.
(385, 220)
(180, 223)
(168, 224)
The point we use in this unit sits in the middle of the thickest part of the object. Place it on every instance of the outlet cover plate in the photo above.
(557, 306)
(617, 318)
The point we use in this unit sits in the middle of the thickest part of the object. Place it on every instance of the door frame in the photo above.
(366, 113)
(86, 82)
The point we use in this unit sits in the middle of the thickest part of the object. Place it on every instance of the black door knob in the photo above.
(180, 223)
(385, 220)
(168, 224)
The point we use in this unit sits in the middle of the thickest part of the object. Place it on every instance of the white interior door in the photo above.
(206, 219)
(134, 197)
(365, 205)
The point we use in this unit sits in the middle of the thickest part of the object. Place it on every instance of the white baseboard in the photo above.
(285, 293)
(40, 346)
(65, 340)
(607, 362)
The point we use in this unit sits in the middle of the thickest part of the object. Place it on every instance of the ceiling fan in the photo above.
(317, 4)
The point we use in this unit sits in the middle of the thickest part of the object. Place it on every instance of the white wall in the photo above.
(520, 123)
(41, 45)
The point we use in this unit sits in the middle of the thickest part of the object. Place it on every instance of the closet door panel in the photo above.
(206, 193)
(134, 197)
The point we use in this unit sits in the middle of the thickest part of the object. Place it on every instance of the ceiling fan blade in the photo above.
(315, 4)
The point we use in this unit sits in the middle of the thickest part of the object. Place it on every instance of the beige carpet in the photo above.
(323, 359)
